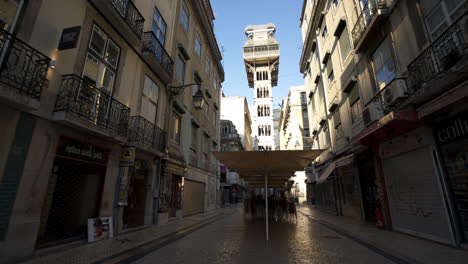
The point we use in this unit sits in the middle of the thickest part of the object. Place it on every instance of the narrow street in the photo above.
(234, 239)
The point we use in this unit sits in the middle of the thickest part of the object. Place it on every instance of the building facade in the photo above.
(236, 110)
(231, 183)
(261, 59)
(89, 91)
(386, 105)
(293, 122)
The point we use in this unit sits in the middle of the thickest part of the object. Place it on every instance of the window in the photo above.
(345, 45)
(176, 125)
(101, 60)
(324, 31)
(207, 109)
(149, 100)
(180, 69)
(194, 139)
(208, 67)
(306, 132)
(159, 26)
(320, 93)
(329, 69)
(336, 3)
(440, 14)
(303, 98)
(355, 104)
(312, 102)
(384, 67)
(184, 17)
(198, 45)
(262, 76)
(326, 135)
(215, 115)
(337, 118)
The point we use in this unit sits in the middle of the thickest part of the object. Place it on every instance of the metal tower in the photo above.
(261, 59)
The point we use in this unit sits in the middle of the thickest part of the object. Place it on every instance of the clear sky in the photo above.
(232, 16)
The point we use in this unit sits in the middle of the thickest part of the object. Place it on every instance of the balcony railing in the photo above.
(152, 45)
(261, 51)
(130, 14)
(22, 67)
(147, 133)
(85, 100)
(446, 51)
(369, 11)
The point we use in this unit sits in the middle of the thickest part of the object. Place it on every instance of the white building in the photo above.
(261, 58)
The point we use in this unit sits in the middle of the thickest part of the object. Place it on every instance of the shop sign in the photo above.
(69, 38)
(453, 129)
(100, 229)
(128, 157)
(85, 151)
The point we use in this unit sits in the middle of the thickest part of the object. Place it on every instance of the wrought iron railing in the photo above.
(367, 14)
(443, 53)
(261, 51)
(147, 133)
(85, 100)
(22, 67)
(130, 14)
(152, 45)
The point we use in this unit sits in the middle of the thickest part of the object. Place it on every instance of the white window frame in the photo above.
(184, 18)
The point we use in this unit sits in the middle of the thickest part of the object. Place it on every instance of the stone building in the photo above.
(96, 117)
(236, 110)
(293, 122)
(386, 82)
(261, 59)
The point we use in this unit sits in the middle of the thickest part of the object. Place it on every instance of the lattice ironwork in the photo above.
(85, 100)
(152, 45)
(130, 14)
(22, 67)
(147, 133)
(446, 51)
(369, 11)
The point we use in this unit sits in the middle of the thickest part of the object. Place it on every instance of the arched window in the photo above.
(259, 130)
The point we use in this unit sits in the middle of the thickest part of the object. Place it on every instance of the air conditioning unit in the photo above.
(395, 91)
(372, 112)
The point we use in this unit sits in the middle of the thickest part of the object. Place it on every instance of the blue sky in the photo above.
(232, 16)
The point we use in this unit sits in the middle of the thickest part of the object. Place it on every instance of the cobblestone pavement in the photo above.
(238, 240)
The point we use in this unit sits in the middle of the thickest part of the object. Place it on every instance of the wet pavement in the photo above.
(235, 239)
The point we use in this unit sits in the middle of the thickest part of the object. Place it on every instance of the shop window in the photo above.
(149, 100)
(159, 26)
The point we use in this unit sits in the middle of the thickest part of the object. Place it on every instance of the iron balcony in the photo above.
(443, 64)
(82, 104)
(23, 71)
(368, 20)
(157, 57)
(147, 134)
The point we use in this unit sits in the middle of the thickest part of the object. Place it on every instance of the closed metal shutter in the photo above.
(194, 197)
(416, 202)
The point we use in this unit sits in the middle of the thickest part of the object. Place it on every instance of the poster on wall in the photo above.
(100, 229)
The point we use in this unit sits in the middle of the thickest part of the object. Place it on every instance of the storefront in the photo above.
(451, 135)
(348, 188)
(171, 191)
(414, 188)
(369, 188)
(139, 188)
(74, 191)
(194, 197)
(326, 196)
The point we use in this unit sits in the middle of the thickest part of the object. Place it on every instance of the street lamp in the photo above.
(198, 99)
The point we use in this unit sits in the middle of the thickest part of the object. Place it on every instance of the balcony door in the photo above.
(149, 100)
(99, 72)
